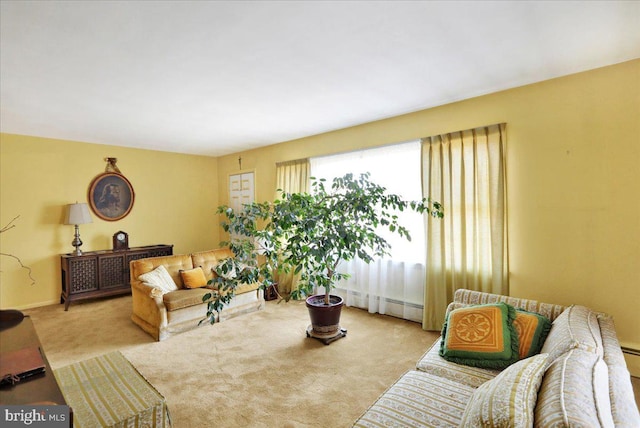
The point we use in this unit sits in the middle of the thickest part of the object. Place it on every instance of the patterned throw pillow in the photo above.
(225, 268)
(481, 336)
(193, 278)
(509, 399)
(532, 331)
(159, 278)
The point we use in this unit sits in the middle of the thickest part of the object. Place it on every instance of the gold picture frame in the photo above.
(111, 196)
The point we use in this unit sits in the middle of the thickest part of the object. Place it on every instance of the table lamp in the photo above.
(77, 214)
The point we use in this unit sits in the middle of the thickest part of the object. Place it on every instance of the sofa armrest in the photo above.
(143, 289)
(148, 304)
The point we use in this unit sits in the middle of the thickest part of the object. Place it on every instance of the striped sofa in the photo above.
(579, 379)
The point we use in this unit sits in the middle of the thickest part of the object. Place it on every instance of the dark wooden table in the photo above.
(38, 389)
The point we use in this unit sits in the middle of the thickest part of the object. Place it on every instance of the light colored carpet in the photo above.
(256, 370)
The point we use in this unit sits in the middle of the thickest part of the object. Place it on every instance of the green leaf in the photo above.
(309, 234)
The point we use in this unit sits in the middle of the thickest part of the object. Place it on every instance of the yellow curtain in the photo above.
(292, 177)
(465, 171)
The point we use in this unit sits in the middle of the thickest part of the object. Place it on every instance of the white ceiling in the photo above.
(219, 77)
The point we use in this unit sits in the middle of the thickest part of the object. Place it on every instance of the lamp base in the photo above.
(77, 242)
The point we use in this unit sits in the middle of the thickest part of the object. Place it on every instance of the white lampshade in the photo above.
(78, 214)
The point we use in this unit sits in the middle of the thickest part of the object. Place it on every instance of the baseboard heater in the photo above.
(386, 299)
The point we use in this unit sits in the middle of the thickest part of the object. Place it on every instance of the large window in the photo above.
(465, 171)
(394, 285)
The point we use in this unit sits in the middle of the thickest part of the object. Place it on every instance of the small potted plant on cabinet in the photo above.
(310, 234)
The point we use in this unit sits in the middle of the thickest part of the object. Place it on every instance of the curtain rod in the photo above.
(292, 162)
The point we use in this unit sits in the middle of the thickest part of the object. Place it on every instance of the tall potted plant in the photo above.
(310, 234)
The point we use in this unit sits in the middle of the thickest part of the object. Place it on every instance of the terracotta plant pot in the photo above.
(325, 319)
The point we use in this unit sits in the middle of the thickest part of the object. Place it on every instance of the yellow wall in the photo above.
(175, 200)
(573, 169)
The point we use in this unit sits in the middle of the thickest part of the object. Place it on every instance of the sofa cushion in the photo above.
(418, 399)
(509, 399)
(481, 336)
(184, 298)
(532, 331)
(575, 392)
(472, 297)
(245, 288)
(193, 278)
(160, 279)
(576, 327)
(173, 264)
(240, 288)
(210, 259)
(432, 362)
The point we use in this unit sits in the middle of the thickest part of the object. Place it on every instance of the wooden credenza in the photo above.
(102, 273)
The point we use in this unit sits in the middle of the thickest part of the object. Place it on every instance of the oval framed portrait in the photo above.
(111, 196)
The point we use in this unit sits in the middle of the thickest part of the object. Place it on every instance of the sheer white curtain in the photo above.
(393, 285)
(465, 171)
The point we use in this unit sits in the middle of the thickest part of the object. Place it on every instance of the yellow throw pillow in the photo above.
(193, 278)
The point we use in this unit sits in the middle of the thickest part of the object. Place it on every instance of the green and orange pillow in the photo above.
(533, 330)
(492, 335)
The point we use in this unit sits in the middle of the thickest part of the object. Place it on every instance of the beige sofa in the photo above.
(579, 379)
(162, 315)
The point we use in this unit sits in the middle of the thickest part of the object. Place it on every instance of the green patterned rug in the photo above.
(107, 391)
